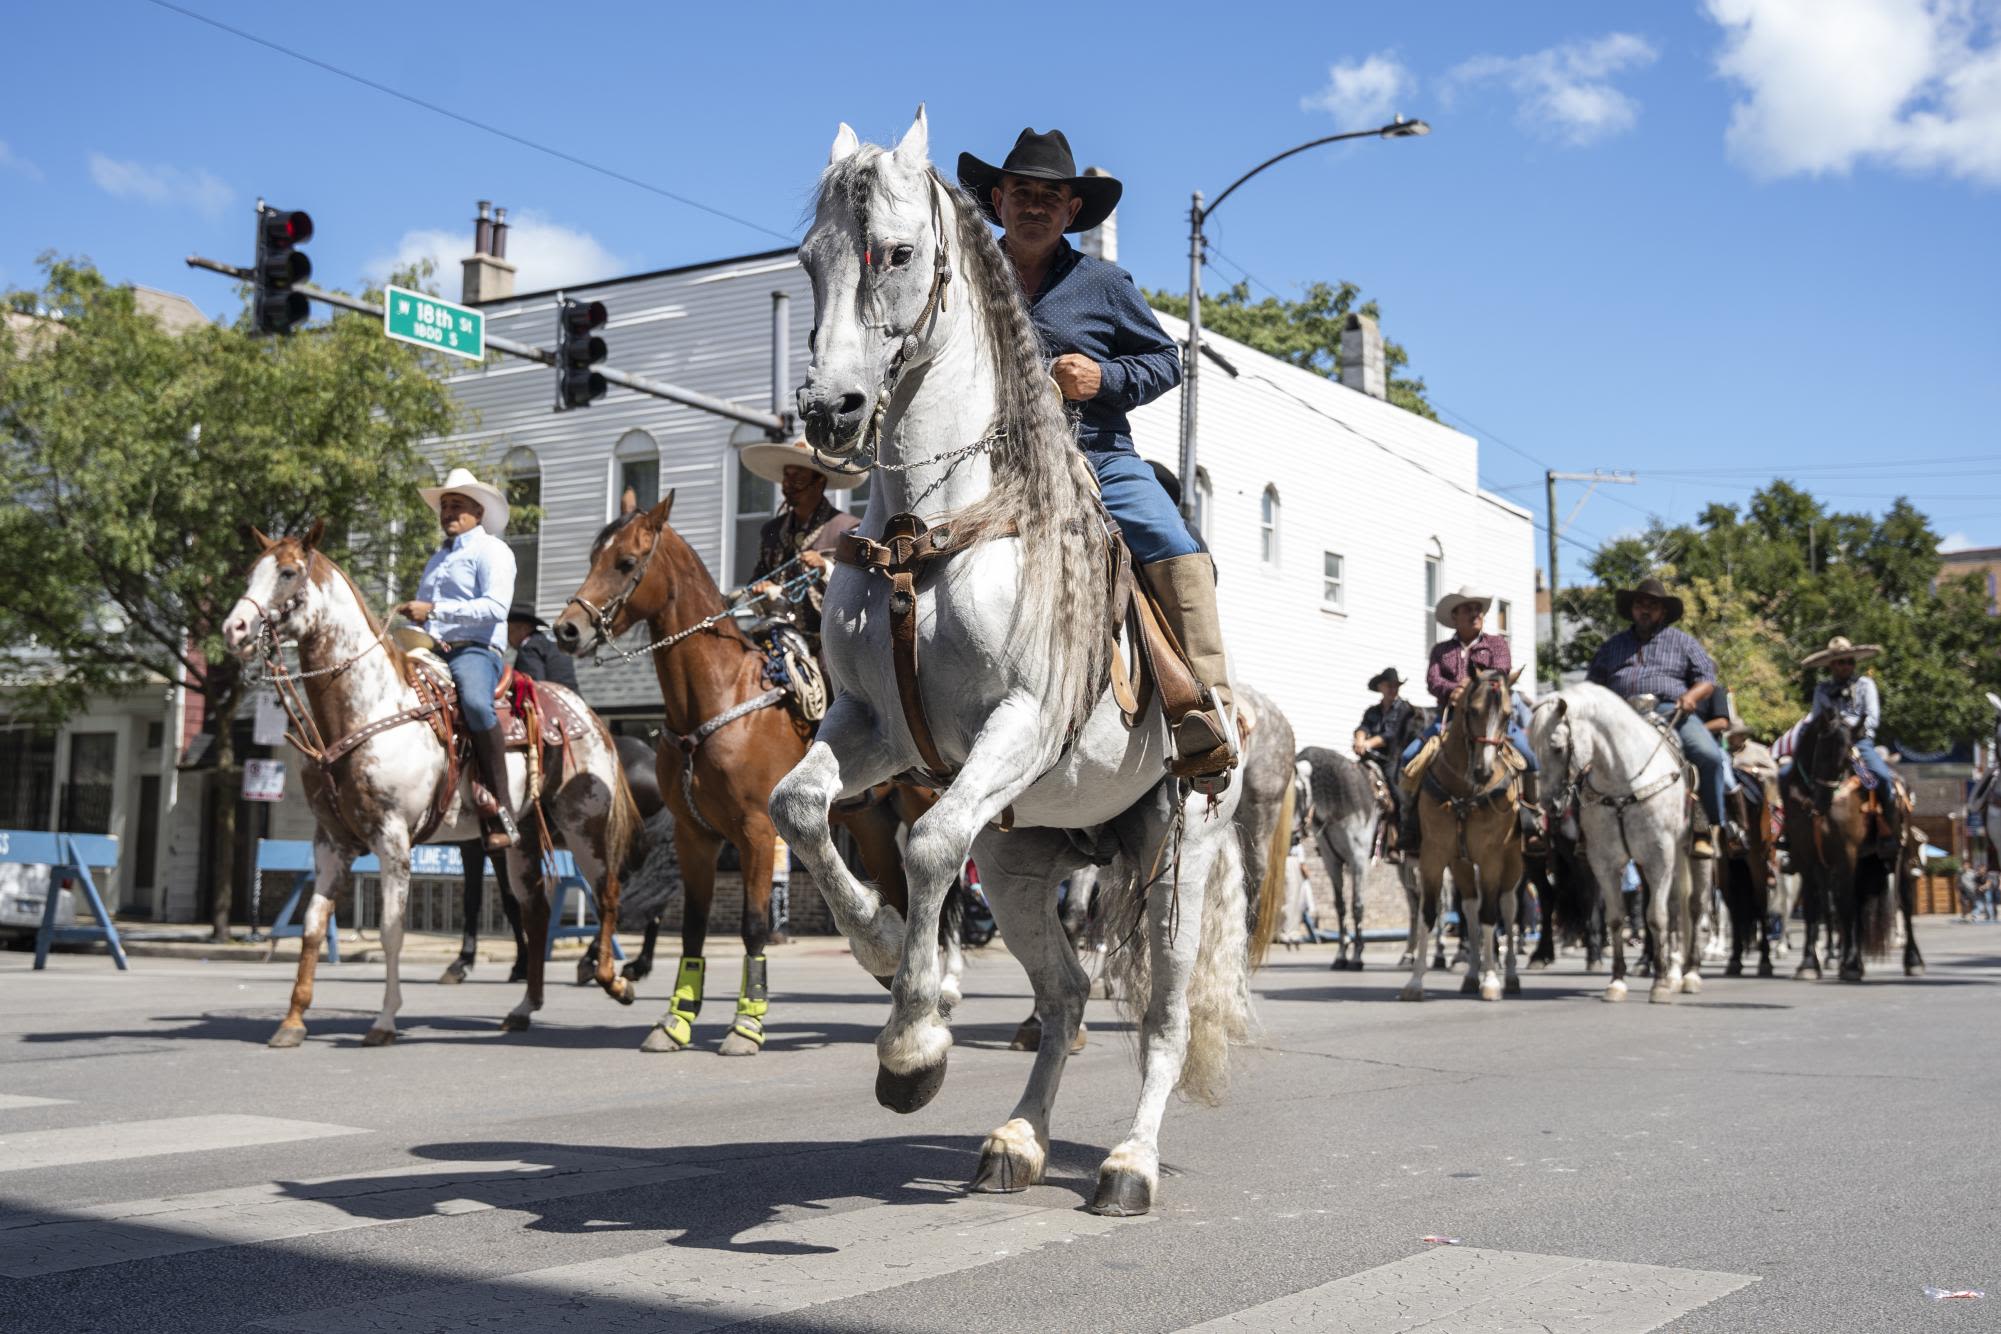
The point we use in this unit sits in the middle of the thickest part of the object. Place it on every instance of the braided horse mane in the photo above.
(1042, 487)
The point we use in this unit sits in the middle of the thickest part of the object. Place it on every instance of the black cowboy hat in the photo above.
(521, 611)
(1042, 157)
(1652, 588)
(1386, 674)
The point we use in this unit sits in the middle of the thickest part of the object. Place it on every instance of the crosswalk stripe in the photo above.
(77, 1145)
(766, 1271)
(9, 1101)
(1467, 1290)
(32, 1244)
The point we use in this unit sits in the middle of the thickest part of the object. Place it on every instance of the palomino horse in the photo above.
(1471, 826)
(729, 738)
(925, 366)
(385, 791)
(1633, 805)
(1832, 844)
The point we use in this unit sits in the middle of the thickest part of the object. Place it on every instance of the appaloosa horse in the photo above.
(973, 642)
(728, 740)
(1347, 818)
(379, 779)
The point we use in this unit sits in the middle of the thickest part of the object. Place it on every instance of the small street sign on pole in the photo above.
(427, 321)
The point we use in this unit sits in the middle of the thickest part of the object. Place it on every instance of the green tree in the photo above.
(1306, 332)
(135, 461)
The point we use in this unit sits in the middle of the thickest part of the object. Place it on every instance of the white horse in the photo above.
(925, 364)
(1634, 805)
(355, 683)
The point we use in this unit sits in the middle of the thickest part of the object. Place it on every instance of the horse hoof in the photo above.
(515, 1023)
(623, 991)
(455, 973)
(1512, 987)
(1691, 984)
(1663, 993)
(1490, 991)
(1765, 969)
(1469, 984)
(1593, 966)
(1537, 965)
(1340, 964)
(1851, 972)
(905, 1094)
(289, 1035)
(1077, 1043)
(1411, 992)
(634, 971)
(1122, 1194)
(1028, 1037)
(1914, 970)
(1615, 993)
(1004, 1169)
(1807, 973)
(587, 971)
(1406, 960)
(659, 1039)
(736, 1044)
(1356, 963)
(378, 1037)
(1735, 968)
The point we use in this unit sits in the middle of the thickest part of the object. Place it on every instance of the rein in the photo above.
(1619, 803)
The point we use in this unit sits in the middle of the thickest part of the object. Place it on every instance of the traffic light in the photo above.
(577, 350)
(275, 308)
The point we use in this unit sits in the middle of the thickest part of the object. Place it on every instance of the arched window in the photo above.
(1434, 589)
(1205, 502)
(635, 468)
(1268, 517)
(521, 479)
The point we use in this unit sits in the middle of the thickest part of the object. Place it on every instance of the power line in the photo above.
(1486, 434)
(447, 112)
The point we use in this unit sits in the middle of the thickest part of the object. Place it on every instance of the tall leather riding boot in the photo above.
(1409, 830)
(489, 752)
(1532, 828)
(1185, 587)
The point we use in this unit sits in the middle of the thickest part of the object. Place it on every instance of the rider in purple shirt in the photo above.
(1452, 662)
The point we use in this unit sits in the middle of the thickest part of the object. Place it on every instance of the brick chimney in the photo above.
(488, 275)
(1102, 241)
(1362, 365)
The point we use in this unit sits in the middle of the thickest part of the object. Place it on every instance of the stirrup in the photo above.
(501, 832)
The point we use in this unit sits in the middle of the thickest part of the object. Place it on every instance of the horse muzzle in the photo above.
(833, 420)
(569, 632)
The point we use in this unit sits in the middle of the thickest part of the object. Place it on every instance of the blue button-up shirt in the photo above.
(469, 582)
(1667, 666)
(1856, 703)
(1089, 306)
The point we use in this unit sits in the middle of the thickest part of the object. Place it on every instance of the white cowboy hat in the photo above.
(492, 504)
(1442, 613)
(1839, 647)
(769, 460)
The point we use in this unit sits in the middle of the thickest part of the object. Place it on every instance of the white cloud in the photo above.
(1956, 541)
(1566, 91)
(12, 161)
(1360, 95)
(1912, 84)
(545, 254)
(200, 189)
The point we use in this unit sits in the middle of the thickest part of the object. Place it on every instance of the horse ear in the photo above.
(1516, 674)
(657, 516)
(913, 150)
(1562, 707)
(846, 141)
(311, 540)
(262, 540)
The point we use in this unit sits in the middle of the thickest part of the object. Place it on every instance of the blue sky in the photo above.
(1708, 240)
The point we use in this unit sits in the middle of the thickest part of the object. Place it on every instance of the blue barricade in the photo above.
(69, 857)
(430, 860)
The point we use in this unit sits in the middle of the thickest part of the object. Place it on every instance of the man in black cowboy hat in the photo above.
(1108, 355)
(1654, 658)
(535, 654)
(1386, 726)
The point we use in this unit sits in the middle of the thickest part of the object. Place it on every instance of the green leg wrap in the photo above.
(679, 1021)
(751, 1002)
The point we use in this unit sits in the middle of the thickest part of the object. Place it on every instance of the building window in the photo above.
(522, 474)
(755, 501)
(1434, 589)
(1268, 514)
(1333, 583)
(1504, 618)
(636, 468)
(1205, 502)
(27, 777)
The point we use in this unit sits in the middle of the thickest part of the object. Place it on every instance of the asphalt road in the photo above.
(1769, 1155)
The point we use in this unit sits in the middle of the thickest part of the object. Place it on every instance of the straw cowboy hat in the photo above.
(770, 460)
(460, 481)
(1652, 588)
(1386, 674)
(1839, 647)
(1451, 602)
(1042, 157)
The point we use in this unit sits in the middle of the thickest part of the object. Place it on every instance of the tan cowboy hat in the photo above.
(492, 504)
(770, 460)
(1451, 602)
(1839, 647)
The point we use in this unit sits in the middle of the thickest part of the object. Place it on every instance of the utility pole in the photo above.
(1596, 478)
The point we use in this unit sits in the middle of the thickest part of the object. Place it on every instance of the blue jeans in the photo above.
(476, 671)
(1154, 530)
(1699, 745)
(1518, 738)
(1878, 767)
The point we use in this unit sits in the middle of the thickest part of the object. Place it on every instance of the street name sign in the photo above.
(412, 317)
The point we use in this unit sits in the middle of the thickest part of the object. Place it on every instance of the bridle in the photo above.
(275, 671)
(601, 617)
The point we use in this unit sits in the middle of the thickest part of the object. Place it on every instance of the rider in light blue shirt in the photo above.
(462, 601)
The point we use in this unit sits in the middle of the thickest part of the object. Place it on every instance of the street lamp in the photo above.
(1197, 215)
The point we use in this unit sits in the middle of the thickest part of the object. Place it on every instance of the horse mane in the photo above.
(692, 569)
(398, 659)
(1340, 788)
(1042, 489)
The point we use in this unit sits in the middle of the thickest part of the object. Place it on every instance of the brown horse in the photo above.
(729, 739)
(1469, 815)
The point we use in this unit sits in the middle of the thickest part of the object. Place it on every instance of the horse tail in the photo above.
(1271, 893)
(1878, 909)
(625, 840)
(1219, 988)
